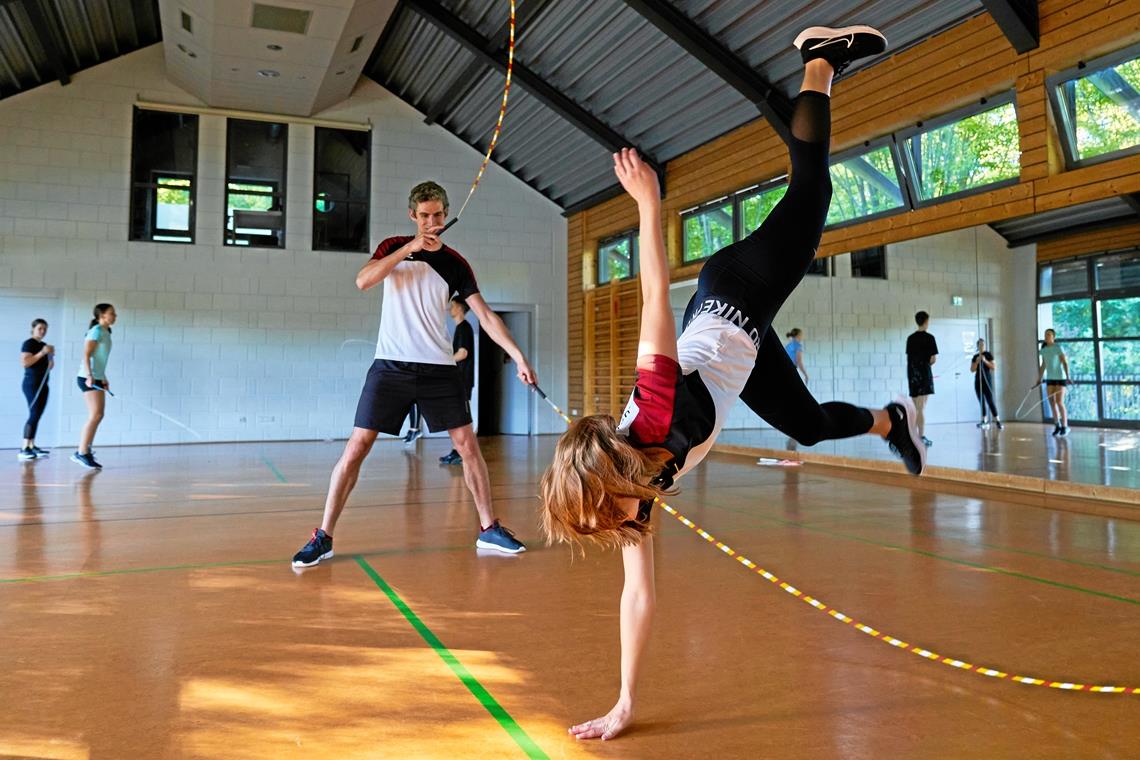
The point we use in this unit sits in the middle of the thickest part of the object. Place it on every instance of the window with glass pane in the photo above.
(1121, 402)
(1070, 319)
(164, 163)
(869, 262)
(255, 183)
(617, 258)
(967, 154)
(1100, 111)
(707, 230)
(1120, 361)
(1063, 279)
(1082, 359)
(1119, 317)
(865, 185)
(754, 208)
(1118, 271)
(1080, 402)
(340, 190)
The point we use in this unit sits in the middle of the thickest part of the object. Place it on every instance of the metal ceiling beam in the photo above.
(1019, 21)
(773, 104)
(535, 85)
(467, 80)
(38, 15)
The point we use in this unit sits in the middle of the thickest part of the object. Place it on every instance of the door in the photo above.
(954, 399)
(504, 403)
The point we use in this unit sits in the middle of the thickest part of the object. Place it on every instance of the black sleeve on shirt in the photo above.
(31, 346)
(933, 346)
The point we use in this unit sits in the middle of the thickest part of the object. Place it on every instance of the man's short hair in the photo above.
(427, 191)
(921, 318)
(461, 303)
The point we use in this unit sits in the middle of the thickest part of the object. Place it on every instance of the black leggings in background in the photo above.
(36, 409)
(758, 273)
(985, 395)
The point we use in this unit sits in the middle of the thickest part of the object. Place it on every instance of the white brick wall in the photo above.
(239, 344)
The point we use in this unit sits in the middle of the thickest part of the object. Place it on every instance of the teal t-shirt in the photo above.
(1051, 358)
(102, 336)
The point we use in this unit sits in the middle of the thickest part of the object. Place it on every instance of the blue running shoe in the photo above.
(41, 452)
(26, 455)
(903, 438)
(500, 539)
(318, 548)
(87, 460)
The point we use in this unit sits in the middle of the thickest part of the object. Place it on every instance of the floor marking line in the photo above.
(897, 643)
(477, 689)
(209, 565)
(272, 467)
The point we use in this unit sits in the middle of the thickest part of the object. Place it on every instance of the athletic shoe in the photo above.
(87, 460)
(411, 436)
(983, 425)
(451, 457)
(41, 452)
(927, 442)
(318, 548)
(999, 425)
(1056, 430)
(840, 46)
(903, 438)
(1063, 432)
(500, 539)
(26, 455)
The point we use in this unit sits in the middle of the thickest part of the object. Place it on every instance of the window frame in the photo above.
(367, 202)
(744, 194)
(882, 251)
(281, 193)
(863, 148)
(634, 257)
(1094, 297)
(988, 103)
(700, 209)
(153, 186)
(1066, 132)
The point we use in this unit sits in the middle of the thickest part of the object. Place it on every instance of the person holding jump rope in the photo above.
(37, 359)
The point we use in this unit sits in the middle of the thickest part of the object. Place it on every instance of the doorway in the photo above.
(504, 404)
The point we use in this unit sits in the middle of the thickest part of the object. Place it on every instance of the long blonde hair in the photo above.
(593, 468)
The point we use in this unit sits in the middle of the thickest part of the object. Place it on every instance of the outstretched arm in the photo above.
(638, 600)
(658, 333)
(494, 327)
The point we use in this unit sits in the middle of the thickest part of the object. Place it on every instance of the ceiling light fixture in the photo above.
(274, 47)
(268, 73)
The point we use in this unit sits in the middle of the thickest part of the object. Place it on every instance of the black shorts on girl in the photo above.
(83, 386)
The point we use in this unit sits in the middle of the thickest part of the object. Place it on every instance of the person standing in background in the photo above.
(983, 365)
(921, 354)
(463, 346)
(795, 349)
(38, 359)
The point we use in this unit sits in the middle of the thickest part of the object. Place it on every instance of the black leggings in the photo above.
(758, 273)
(36, 405)
(985, 395)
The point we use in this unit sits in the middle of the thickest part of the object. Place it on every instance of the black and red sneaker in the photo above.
(840, 46)
(318, 548)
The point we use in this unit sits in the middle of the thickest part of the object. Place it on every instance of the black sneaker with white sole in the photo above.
(26, 455)
(903, 438)
(318, 548)
(840, 46)
(41, 452)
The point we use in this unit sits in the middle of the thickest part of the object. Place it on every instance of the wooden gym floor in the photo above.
(149, 611)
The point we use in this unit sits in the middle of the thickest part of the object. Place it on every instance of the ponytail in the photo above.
(99, 310)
